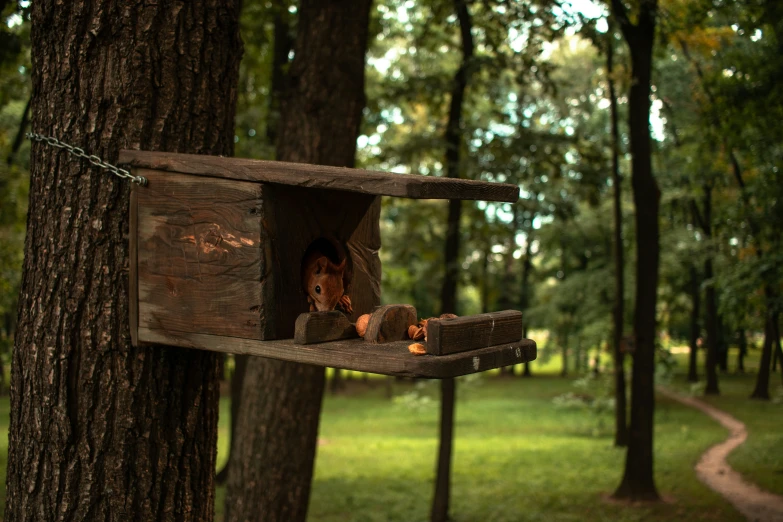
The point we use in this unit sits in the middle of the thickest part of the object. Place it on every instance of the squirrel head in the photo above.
(325, 284)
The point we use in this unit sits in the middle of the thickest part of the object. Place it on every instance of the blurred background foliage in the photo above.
(536, 114)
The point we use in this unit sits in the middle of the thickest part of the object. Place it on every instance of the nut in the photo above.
(361, 324)
(415, 332)
(417, 349)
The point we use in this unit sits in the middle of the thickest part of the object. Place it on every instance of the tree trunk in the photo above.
(743, 350)
(618, 316)
(453, 138)
(17, 144)
(711, 321)
(693, 375)
(440, 502)
(638, 482)
(527, 265)
(723, 343)
(282, 47)
(240, 364)
(564, 351)
(277, 430)
(101, 430)
(761, 391)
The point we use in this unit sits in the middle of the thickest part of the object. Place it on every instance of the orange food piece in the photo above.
(417, 349)
(361, 324)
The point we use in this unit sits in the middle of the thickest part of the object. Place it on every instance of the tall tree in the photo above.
(618, 315)
(441, 497)
(277, 427)
(638, 481)
(104, 430)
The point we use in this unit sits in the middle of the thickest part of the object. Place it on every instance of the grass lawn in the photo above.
(517, 456)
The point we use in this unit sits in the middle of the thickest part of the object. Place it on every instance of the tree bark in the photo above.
(101, 430)
(711, 320)
(693, 375)
(277, 430)
(638, 482)
(621, 405)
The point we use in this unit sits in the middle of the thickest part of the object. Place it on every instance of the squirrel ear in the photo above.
(341, 266)
(320, 265)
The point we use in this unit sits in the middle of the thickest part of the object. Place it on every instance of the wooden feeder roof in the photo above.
(321, 177)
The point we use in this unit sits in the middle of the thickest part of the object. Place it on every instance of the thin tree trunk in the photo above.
(17, 144)
(761, 391)
(638, 481)
(240, 364)
(743, 350)
(711, 320)
(564, 351)
(527, 266)
(693, 375)
(101, 430)
(621, 405)
(453, 138)
(277, 430)
(440, 502)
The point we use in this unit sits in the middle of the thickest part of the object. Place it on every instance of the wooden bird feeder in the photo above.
(216, 247)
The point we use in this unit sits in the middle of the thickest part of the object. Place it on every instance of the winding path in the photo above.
(753, 502)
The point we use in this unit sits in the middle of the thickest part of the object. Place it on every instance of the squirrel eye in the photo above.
(317, 289)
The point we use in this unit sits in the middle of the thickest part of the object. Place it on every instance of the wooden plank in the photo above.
(133, 275)
(356, 354)
(202, 257)
(318, 176)
(446, 336)
(390, 323)
(318, 327)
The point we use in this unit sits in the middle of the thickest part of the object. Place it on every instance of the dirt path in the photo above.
(754, 503)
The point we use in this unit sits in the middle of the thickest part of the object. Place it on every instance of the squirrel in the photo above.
(325, 281)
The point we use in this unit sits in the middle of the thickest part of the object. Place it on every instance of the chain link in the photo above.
(95, 160)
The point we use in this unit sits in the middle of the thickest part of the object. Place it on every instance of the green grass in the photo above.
(517, 456)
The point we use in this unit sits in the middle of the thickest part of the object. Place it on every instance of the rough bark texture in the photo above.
(277, 430)
(638, 482)
(618, 315)
(448, 296)
(693, 374)
(101, 430)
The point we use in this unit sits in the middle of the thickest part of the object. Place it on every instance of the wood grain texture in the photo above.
(356, 354)
(319, 176)
(133, 272)
(390, 323)
(319, 327)
(445, 336)
(201, 256)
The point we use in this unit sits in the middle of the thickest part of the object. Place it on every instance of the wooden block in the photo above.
(355, 354)
(446, 336)
(390, 323)
(318, 327)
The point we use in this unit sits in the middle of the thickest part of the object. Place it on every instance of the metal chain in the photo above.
(95, 160)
